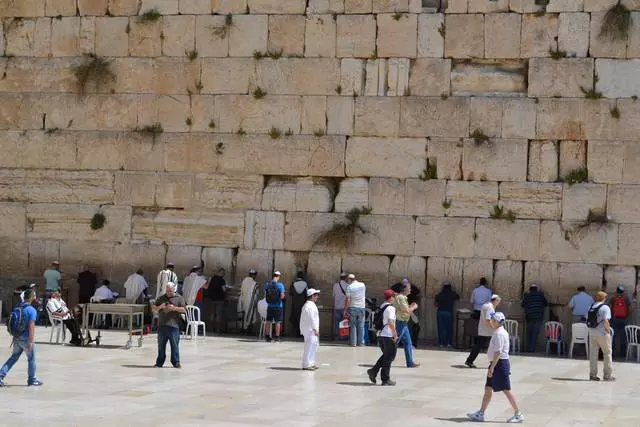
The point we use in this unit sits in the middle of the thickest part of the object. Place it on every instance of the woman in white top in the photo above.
(387, 338)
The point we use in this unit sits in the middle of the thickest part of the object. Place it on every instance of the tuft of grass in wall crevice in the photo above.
(616, 23)
(94, 70)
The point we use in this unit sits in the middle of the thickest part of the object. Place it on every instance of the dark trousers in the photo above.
(479, 343)
(619, 334)
(533, 332)
(445, 327)
(74, 328)
(171, 334)
(414, 329)
(383, 365)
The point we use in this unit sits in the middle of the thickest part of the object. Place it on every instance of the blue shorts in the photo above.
(274, 314)
(500, 379)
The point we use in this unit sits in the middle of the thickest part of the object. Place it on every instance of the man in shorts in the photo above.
(499, 371)
(274, 294)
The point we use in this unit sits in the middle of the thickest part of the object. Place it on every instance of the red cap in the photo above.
(389, 293)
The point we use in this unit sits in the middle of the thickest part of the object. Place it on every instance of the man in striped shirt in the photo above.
(534, 304)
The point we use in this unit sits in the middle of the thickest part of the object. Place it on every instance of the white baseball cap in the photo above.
(277, 273)
(351, 276)
(312, 291)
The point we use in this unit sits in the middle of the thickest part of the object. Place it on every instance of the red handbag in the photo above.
(344, 328)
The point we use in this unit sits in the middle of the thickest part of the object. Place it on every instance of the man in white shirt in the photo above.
(135, 286)
(310, 330)
(165, 276)
(340, 310)
(356, 298)
(484, 329)
(480, 296)
(192, 284)
(58, 309)
(580, 304)
(387, 339)
(104, 294)
(246, 299)
(499, 370)
(600, 338)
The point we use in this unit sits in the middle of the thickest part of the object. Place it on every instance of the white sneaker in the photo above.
(516, 418)
(476, 416)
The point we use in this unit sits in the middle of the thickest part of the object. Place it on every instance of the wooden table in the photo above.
(131, 310)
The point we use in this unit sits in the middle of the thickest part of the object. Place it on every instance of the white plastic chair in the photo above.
(194, 322)
(633, 341)
(57, 326)
(554, 334)
(579, 335)
(120, 321)
(262, 312)
(512, 328)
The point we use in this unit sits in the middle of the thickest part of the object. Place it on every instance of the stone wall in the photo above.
(279, 116)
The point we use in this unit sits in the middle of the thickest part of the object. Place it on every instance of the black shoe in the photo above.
(178, 366)
(470, 364)
(389, 382)
(594, 378)
(372, 377)
(277, 339)
(267, 338)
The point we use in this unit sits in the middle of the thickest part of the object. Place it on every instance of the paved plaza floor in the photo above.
(241, 382)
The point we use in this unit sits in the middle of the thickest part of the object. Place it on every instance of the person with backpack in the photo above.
(274, 294)
(620, 305)
(22, 327)
(384, 322)
(600, 338)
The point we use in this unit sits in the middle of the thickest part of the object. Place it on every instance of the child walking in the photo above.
(499, 371)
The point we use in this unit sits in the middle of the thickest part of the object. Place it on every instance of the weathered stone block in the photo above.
(502, 34)
(622, 204)
(456, 6)
(88, 34)
(604, 47)
(398, 158)
(486, 114)
(110, 150)
(312, 76)
(489, 77)
(228, 191)
(340, 115)
(598, 122)
(211, 36)
(14, 224)
(573, 275)
(249, 33)
(560, 119)
(631, 167)
(36, 150)
(358, 6)
(132, 75)
(440, 270)
(376, 78)
(286, 34)
(471, 199)
(320, 36)
(539, 34)
(179, 35)
(194, 7)
(424, 197)
(447, 155)
(353, 193)
(605, 161)
(519, 119)
(579, 198)
(313, 115)
(130, 7)
(23, 74)
(498, 160)
(398, 76)
(356, 36)
(387, 196)
(27, 37)
(224, 229)
(397, 37)
(59, 8)
(465, 36)
(501, 239)
(373, 270)
(256, 115)
(165, 7)
(570, 242)
(413, 267)
(573, 34)
(545, 274)
(128, 258)
(322, 268)
(229, 6)
(260, 260)
(450, 237)
(478, 6)
(184, 258)
(144, 38)
(560, 77)
(65, 36)
(430, 41)
(543, 161)
(382, 6)
(532, 200)
(555, 6)
(507, 280)
(302, 194)
(618, 78)
(352, 76)
(620, 275)
(633, 39)
(264, 230)
(434, 117)
(226, 76)
(573, 155)
(430, 77)
(629, 244)
(377, 116)
(277, 6)
(473, 270)
(111, 36)
(172, 111)
(325, 6)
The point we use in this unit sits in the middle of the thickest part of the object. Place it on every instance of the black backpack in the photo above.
(16, 324)
(378, 317)
(272, 294)
(592, 316)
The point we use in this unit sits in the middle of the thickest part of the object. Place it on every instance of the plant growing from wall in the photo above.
(342, 234)
(616, 23)
(557, 54)
(318, 132)
(150, 15)
(192, 54)
(592, 93)
(498, 212)
(275, 133)
(430, 171)
(446, 203)
(220, 148)
(442, 29)
(188, 121)
(98, 221)
(222, 31)
(240, 131)
(479, 137)
(615, 112)
(258, 93)
(289, 132)
(153, 130)
(576, 176)
(397, 16)
(212, 124)
(94, 70)
(338, 89)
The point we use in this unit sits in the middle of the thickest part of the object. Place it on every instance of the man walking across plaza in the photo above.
(484, 329)
(580, 304)
(387, 338)
(403, 314)
(534, 304)
(169, 307)
(310, 330)
(22, 327)
(600, 338)
(356, 300)
(274, 294)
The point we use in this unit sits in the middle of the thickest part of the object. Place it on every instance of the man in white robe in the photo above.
(165, 276)
(247, 289)
(310, 330)
(135, 286)
(192, 284)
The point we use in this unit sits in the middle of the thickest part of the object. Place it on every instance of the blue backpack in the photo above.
(16, 324)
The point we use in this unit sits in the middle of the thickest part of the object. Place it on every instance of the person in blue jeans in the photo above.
(356, 300)
(534, 304)
(445, 300)
(24, 342)
(169, 307)
(403, 314)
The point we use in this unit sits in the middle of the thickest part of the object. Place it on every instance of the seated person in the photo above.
(104, 294)
(58, 309)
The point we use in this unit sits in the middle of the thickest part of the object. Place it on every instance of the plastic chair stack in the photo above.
(633, 341)
(194, 322)
(554, 334)
(579, 335)
(512, 328)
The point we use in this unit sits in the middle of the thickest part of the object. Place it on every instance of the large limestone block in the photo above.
(577, 199)
(498, 160)
(430, 41)
(573, 275)
(226, 75)
(65, 36)
(605, 161)
(397, 158)
(375, 82)
(471, 199)
(173, 227)
(41, 253)
(165, 7)
(377, 116)
(413, 267)
(36, 149)
(111, 36)
(620, 275)
(434, 117)
(631, 166)
(398, 76)
(486, 114)
(618, 78)
(320, 36)
(397, 37)
(257, 115)
(449, 237)
(249, 33)
(545, 274)
(473, 270)
(60, 7)
(573, 34)
(543, 161)
(424, 198)
(502, 35)
(112, 150)
(264, 230)
(358, 6)
(598, 120)
(569, 242)
(171, 111)
(179, 35)
(507, 280)
(22, 74)
(573, 155)
(352, 76)
(633, 40)
(387, 196)
(565, 6)
(194, 7)
(28, 37)
(286, 34)
(129, 257)
(215, 258)
(600, 47)
(14, 223)
(174, 190)
(447, 155)
(532, 200)
(324, 270)
(622, 204)
(93, 112)
(561, 77)
(489, 77)
(289, 263)
(560, 119)
(325, 6)
(340, 115)
(301, 194)
(501, 239)
(223, 7)
(228, 191)
(519, 119)
(629, 244)
(277, 6)
(184, 258)
(479, 6)
(353, 193)
(260, 260)
(381, 6)
(130, 7)
(19, 111)
(76, 253)
(356, 36)
(464, 36)
(144, 38)
(373, 270)
(539, 35)
(440, 270)
(211, 36)
(298, 76)
(430, 77)
(313, 115)
(69, 222)
(22, 8)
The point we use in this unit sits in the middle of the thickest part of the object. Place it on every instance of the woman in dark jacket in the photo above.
(298, 294)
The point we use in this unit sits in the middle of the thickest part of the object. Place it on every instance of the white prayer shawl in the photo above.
(134, 286)
(309, 319)
(164, 277)
(191, 285)
(244, 302)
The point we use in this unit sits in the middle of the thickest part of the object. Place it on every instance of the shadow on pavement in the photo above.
(356, 383)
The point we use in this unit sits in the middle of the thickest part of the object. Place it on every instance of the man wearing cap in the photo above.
(387, 339)
(310, 329)
(620, 305)
(534, 303)
(600, 338)
(246, 299)
(485, 331)
(579, 305)
(165, 276)
(340, 310)
(274, 294)
(169, 307)
(356, 301)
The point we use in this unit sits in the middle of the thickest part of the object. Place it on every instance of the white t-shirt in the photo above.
(499, 344)
(389, 314)
(484, 330)
(357, 292)
(58, 306)
(604, 312)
